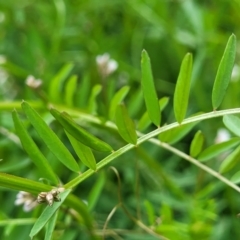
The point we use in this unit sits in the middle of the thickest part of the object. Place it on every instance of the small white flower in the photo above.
(106, 65)
(27, 200)
(32, 82)
(222, 135)
(235, 73)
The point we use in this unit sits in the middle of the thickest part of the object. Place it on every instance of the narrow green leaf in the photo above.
(22, 184)
(50, 138)
(84, 153)
(182, 89)
(32, 150)
(57, 82)
(196, 144)
(48, 213)
(217, 149)
(231, 160)
(224, 72)
(70, 90)
(117, 99)
(236, 178)
(176, 134)
(92, 103)
(125, 125)
(232, 123)
(79, 133)
(149, 91)
(83, 92)
(50, 226)
(150, 213)
(95, 192)
(145, 121)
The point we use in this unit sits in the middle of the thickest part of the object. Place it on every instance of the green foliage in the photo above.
(90, 81)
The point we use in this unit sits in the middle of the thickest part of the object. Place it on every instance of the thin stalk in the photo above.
(149, 136)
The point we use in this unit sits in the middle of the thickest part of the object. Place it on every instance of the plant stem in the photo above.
(152, 134)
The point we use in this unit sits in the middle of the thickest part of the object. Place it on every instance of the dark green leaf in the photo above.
(149, 91)
(48, 213)
(57, 82)
(84, 153)
(79, 133)
(231, 160)
(196, 144)
(125, 125)
(224, 72)
(50, 138)
(217, 149)
(117, 99)
(34, 153)
(232, 123)
(182, 89)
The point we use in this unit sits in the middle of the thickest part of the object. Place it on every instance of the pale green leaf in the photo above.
(232, 123)
(224, 72)
(196, 144)
(230, 161)
(176, 134)
(70, 89)
(214, 150)
(236, 178)
(181, 94)
(149, 91)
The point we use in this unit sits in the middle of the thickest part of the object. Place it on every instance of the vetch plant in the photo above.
(96, 152)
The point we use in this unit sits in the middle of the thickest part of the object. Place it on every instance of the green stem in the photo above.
(150, 135)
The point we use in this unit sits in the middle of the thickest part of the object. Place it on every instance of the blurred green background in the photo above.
(40, 37)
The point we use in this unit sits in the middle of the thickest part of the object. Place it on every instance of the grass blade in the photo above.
(224, 72)
(70, 90)
(57, 82)
(92, 103)
(182, 89)
(149, 91)
(32, 150)
(48, 213)
(50, 138)
(125, 125)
